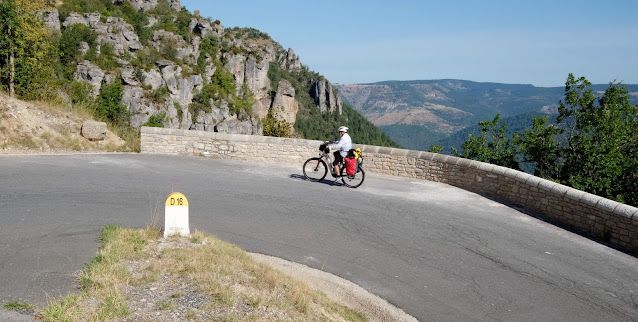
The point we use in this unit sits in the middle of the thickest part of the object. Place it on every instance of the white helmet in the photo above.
(343, 129)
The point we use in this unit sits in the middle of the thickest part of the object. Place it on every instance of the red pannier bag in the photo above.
(351, 166)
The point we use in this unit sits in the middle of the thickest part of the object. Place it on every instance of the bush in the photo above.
(158, 95)
(208, 46)
(69, 47)
(146, 58)
(168, 49)
(80, 92)
(156, 120)
(107, 59)
(110, 105)
(274, 126)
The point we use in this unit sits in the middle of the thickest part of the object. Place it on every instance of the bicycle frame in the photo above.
(326, 156)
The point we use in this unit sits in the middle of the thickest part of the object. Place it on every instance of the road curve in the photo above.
(438, 252)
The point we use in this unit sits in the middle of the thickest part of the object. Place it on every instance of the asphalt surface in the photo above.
(435, 251)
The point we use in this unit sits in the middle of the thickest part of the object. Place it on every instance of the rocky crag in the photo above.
(178, 80)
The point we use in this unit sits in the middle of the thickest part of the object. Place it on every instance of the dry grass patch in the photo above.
(138, 276)
(55, 127)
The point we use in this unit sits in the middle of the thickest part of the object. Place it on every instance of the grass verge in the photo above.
(137, 275)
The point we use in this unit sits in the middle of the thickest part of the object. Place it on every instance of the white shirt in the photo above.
(344, 145)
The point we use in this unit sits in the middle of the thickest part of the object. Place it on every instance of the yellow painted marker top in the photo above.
(176, 199)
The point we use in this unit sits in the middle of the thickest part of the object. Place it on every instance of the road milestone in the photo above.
(176, 215)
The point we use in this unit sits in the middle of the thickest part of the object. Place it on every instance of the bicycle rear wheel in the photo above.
(315, 169)
(354, 180)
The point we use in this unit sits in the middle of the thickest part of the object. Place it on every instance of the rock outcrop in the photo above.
(203, 28)
(290, 61)
(91, 74)
(51, 19)
(168, 41)
(285, 103)
(170, 85)
(325, 98)
(146, 5)
(114, 31)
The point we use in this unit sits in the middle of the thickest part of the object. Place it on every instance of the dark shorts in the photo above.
(338, 158)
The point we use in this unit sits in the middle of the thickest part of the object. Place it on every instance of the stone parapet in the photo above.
(605, 220)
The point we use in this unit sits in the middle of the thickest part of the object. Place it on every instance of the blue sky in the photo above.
(517, 42)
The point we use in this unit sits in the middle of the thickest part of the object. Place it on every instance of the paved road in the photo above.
(438, 252)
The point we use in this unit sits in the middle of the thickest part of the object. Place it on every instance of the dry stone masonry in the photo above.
(608, 221)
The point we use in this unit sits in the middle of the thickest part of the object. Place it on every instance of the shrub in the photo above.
(156, 120)
(158, 95)
(110, 106)
(80, 92)
(107, 59)
(69, 47)
(274, 126)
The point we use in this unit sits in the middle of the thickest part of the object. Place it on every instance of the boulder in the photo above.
(94, 131)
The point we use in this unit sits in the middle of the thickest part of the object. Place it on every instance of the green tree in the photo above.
(8, 25)
(24, 44)
(110, 106)
(540, 147)
(69, 47)
(207, 49)
(491, 145)
(600, 156)
(223, 81)
(629, 177)
(156, 120)
(275, 126)
(435, 148)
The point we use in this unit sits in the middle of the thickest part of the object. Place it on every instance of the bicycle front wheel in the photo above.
(354, 180)
(315, 169)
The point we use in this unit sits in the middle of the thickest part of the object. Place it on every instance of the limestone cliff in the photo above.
(183, 85)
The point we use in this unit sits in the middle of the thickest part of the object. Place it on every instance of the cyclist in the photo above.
(342, 146)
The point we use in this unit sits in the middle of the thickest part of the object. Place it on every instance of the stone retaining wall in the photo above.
(608, 221)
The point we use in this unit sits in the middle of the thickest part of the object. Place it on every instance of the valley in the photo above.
(416, 114)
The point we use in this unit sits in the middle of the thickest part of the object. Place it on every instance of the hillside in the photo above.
(27, 127)
(153, 62)
(416, 114)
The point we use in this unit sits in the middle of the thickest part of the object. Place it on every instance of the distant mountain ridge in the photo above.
(418, 113)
